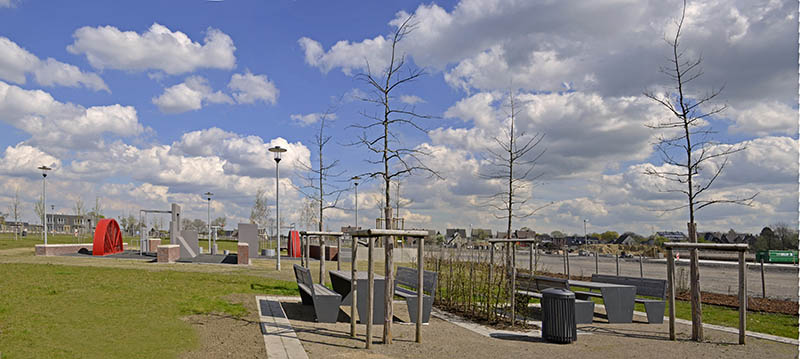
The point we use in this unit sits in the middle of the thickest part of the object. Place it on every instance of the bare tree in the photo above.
(38, 207)
(318, 179)
(80, 211)
(380, 138)
(512, 160)
(308, 214)
(260, 213)
(15, 210)
(97, 211)
(687, 147)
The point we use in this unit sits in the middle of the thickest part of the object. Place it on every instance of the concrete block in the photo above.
(190, 248)
(153, 243)
(168, 253)
(243, 254)
(248, 233)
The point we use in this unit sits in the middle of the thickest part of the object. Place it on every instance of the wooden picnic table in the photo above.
(340, 280)
(617, 298)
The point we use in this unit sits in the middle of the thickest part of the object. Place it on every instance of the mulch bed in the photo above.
(754, 304)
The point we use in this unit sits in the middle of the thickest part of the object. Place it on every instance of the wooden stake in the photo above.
(489, 282)
(322, 260)
(338, 253)
(420, 281)
(763, 285)
(530, 258)
(513, 287)
(641, 268)
(596, 264)
(566, 256)
(370, 291)
(694, 274)
(671, 283)
(617, 264)
(743, 297)
(353, 286)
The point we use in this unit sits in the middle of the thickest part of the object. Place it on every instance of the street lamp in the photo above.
(585, 237)
(277, 150)
(44, 170)
(355, 182)
(208, 195)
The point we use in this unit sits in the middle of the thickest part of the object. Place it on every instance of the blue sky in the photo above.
(149, 103)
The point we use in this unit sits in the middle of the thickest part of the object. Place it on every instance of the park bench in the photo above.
(532, 286)
(649, 287)
(325, 301)
(409, 277)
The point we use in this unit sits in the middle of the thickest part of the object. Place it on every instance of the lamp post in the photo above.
(585, 237)
(208, 195)
(277, 150)
(44, 170)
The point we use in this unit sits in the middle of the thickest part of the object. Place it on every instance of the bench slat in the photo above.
(644, 286)
(409, 277)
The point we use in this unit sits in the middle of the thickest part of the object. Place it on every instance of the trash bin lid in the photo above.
(558, 292)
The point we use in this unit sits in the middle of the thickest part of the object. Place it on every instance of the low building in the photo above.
(673, 236)
(67, 223)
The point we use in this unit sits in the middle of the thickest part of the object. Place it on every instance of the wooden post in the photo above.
(535, 257)
(353, 286)
(596, 264)
(513, 287)
(338, 253)
(763, 285)
(530, 258)
(641, 268)
(671, 283)
(302, 253)
(617, 264)
(420, 281)
(566, 256)
(322, 260)
(564, 260)
(388, 304)
(489, 286)
(308, 252)
(370, 291)
(743, 296)
(694, 274)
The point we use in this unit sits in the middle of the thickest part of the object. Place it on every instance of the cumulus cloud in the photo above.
(763, 118)
(248, 88)
(189, 95)
(311, 118)
(64, 125)
(16, 63)
(159, 48)
(22, 160)
(411, 99)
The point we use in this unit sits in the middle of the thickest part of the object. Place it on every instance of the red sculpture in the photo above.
(107, 238)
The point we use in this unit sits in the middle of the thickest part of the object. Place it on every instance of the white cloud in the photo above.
(23, 160)
(7, 3)
(763, 118)
(189, 95)
(159, 48)
(346, 55)
(311, 118)
(64, 125)
(16, 63)
(411, 99)
(249, 88)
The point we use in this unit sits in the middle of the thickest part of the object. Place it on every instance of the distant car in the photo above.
(583, 253)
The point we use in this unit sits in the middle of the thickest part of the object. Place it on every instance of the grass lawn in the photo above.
(7, 240)
(93, 312)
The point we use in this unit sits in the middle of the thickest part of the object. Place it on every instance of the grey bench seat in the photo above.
(325, 301)
(409, 277)
(531, 286)
(648, 287)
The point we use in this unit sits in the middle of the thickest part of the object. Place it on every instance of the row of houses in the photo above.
(57, 223)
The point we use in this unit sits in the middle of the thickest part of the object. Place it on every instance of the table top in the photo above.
(597, 285)
(359, 275)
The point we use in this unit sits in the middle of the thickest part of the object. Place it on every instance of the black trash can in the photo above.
(558, 316)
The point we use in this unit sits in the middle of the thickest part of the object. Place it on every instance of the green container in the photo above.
(777, 256)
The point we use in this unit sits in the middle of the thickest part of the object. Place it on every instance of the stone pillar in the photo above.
(243, 254)
(152, 244)
(168, 253)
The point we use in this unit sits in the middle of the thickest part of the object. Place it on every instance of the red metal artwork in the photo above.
(107, 238)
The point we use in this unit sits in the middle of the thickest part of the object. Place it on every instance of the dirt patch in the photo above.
(224, 336)
(754, 304)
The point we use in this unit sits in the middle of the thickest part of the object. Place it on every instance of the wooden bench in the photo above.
(648, 287)
(325, 301)
(409, 277)
(532, 286)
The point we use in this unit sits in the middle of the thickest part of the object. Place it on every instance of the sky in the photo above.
(137, 105)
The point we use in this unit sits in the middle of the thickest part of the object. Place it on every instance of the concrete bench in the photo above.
(325, 301)
(410, 277)
(532, 286)
(649, 287)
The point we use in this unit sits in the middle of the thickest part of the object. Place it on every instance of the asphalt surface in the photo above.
(781, 281)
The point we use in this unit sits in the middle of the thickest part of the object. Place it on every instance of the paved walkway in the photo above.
(279, 336)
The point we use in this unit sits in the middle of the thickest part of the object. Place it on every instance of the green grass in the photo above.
(94, 312)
